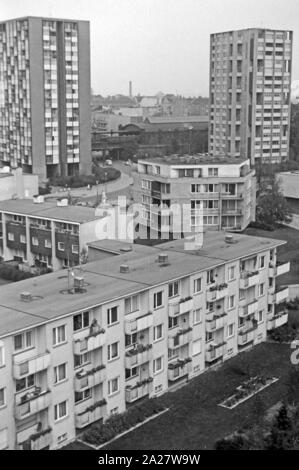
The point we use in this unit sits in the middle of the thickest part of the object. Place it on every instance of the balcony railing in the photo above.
(93, 413)
(217, 292)
(278, 320)
(31, 366)
(179, 369)
(138, 355)
(90, 342)
(249, 279)
(181, 307)
(32, 403)
(279, 296)
(215, 351)
(247, 334)
(248, 309)
(141, 389)
(41, 440)
(133, 324)
(279, 269)
(91, 378)
(216, 322)
(182, 337)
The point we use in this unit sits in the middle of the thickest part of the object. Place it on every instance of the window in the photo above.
(11, 236)
(3, 438)
(131, 304)
(60, 246)
(2, 356)
(158, 332)
(196, 316)
(197, 285)
(260, 316)
(213, 171)
(262, 262)
(48, 243)
(82, 359)
(60, 373)
(62, 438)
(231, 273)
(131, 373)
(173, 289)
(231, 301)
(84, 395)
(230, 330)
(261, 289)
(158, 365)
(25, 382)
(209, 336)
(75, 248)
(242, 294)
(113, 351)
(114, 411)
(22, 238)
(82, 320)
(158, 299)
(60, 410)
(34, 241)
(23, 341)
(2, 397)
(172, 322)
(145, 184)
(59, 335)
(196, 347)
(113, 386)
(112, 315)
(130, 340)
(210, 276)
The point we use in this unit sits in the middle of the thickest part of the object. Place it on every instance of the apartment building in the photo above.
(45, 95)
(216, 192)
(134, 326)
(250, 88)
(47, 233)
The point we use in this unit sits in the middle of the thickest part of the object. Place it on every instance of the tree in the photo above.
(272, 207)
(292, 385)
(294, 132)
(281, 432)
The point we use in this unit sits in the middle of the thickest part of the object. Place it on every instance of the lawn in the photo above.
(195, 421)
(288, 252)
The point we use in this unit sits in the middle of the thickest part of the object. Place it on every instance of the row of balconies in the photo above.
(139, 390)
(278, 320)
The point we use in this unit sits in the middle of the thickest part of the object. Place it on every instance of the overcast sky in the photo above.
(161, 45)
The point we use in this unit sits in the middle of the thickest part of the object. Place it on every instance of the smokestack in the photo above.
(130, 89)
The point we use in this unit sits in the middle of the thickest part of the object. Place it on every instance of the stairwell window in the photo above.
(158, 365)
(60, 246)
(262, 262)
(113, 351)
(60, 410)
(158, 332)
(197, 285)
(158, 299)
(2, 397)
(59, 373)
(58, 335)
(112, 315)
(261, 289)
(113, 386)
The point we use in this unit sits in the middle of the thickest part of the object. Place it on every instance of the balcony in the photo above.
(180, 339)
(140, 390)
(93, 413)
(279, 296)
(41, 440)
(278, 320)
(89, 343)
(91, 378)
(279, 269)
(248, 309)
(31, 366)
(181, 307)
(247, 334)
(32, 403)
(179, 369)
(217, 292)
(216, 322)
(225, 195)
(215, 351)
(138, 355)
(249, 279)
(133, 324)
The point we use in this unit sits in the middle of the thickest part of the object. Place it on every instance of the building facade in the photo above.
(14, 183)
(48, 234)
(250, 85)
(45, 95)
(70, 359)
(223, 190)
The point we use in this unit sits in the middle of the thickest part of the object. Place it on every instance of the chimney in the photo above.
(163, 258)
(124, 268)
(62, 202)
(38, 199)
(229, 238)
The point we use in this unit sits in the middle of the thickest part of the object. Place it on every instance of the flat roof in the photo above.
(194, 160)
(252, 29)
(116, 246)
(49, 210)
(46, 18)
(105, 283)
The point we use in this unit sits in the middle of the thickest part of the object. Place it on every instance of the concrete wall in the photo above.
(19, 185)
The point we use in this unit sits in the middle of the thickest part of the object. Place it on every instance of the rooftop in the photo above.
(200, 159)
(105, 283)
(178, 119)
(48, 210)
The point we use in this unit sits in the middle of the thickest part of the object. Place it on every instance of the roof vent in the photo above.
(163, 258)
(78, 283)
(26, 296)
(63, 202)
(229, 238)
(38, 199)
(124, 268)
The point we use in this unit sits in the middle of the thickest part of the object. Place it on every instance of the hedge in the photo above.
(12, 273)
(101, 175)
(117, 424)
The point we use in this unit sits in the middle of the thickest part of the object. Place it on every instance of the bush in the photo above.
(12, 273)
(100, 174)
(116, 424)
(262, 226)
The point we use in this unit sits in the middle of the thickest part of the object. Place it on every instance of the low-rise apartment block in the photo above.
(133, 326)
(45, 233)
(224, 189)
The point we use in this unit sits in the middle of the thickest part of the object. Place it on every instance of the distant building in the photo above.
(15, 184)
(224, 189)
(128, 327)
(45, 95)
(250, 84)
